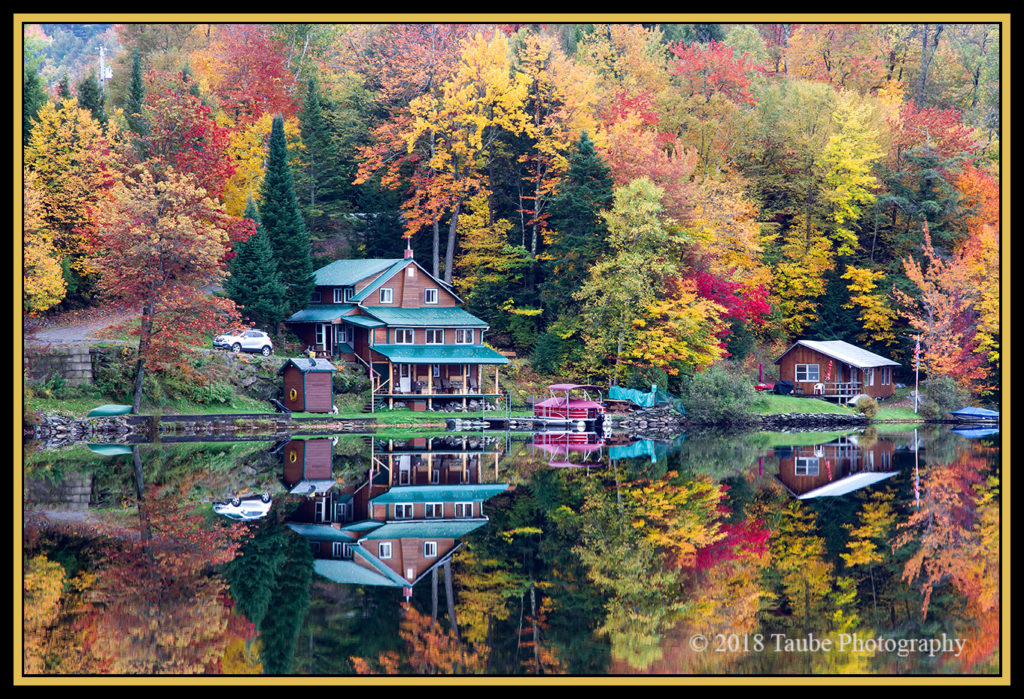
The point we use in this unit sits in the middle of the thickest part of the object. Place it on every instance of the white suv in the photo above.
(245, 341)
(246, 508)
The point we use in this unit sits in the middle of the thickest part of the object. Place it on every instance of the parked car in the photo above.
(245, 341)
(246, 508)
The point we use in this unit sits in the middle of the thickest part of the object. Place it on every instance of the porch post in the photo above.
(430, 386)
(391, 390)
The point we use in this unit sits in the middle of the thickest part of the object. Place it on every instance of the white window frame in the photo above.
(430, 335)
(386, 294)
(344, 333)
(430, 549)
(886, 377)
(319, 336)
(806, 369)
(869, 376)
(461, 509)
(433, 510)
(461, 333)
(806, 466)
(404, 510)
(340, 549)
(405, 336)
(430, 295)
(384, 550)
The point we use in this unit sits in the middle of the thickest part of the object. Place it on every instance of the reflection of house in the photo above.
(392, 533)
(436, 460)
(836, 369)
(835, 468)
(403, 326)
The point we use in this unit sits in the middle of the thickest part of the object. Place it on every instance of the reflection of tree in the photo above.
(954, 535)
(159, 609)
(805, 576)
(644, 598)
(429, 651)
(865, 548)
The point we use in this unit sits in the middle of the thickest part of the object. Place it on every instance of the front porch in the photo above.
(840, 391)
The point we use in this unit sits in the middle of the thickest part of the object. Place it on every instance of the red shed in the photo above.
(308, 385)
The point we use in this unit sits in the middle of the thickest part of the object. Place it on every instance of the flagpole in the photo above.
(917, 369)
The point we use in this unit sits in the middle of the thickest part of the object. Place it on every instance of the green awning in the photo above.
(363, 321)
(439, 316)
(320, 313)
(440, 354)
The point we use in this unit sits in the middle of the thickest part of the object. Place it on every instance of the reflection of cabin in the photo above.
(383, 533)
(307, 465)
(836, 369)
(308, 386)
(835, 468)
(404, 327)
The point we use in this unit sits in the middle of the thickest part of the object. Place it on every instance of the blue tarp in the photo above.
(646, 400)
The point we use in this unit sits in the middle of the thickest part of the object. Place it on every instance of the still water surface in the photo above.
(861, 552)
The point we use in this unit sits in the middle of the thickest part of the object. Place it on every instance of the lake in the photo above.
(868, 552)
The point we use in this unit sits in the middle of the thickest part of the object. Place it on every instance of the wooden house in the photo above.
(835, 468)
(836, 369)
(308, 385)
(404, 327)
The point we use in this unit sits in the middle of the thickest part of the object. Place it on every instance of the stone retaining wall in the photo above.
(73, 364)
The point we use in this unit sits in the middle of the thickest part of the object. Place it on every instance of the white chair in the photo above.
(819, 389)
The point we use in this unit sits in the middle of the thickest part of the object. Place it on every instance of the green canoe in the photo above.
(110, 409)
(111, 449)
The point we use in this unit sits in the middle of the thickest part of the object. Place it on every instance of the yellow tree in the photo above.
(481, 99)
(876, 313)
(43, 284)
(248, 149)
(807, 255)
(67, 153)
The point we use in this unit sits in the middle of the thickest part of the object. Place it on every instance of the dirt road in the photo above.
(74, 328)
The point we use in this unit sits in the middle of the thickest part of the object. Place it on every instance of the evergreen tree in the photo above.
(255, 284)
(324, 176)
(33, 98)
(281, 219)
(136, 96)
(91, 97)
(578, 231)
(64, 88)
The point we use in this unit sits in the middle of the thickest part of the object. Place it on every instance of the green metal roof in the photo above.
(306, 365)
(363, 321)
(440, 354)
(423, 529)
(439, 316)
(441, 493)
(379, 281)
(349, 272)
(320, 313)
(321, 531)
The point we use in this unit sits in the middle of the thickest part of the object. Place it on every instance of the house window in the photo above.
(342, 294)
(342, 512)
(430, 296)
(315, 297)
(341, 550)
(807, 372)
(433, 510)
(435, 336)
(464, 336)
(806, 466)
(886, 377)
(430, 549)
(404, 336)
(869, 377)
(463, 509)
(343, 333)
(319, 335)
(384, 550)
(403, 510)
(386, 295)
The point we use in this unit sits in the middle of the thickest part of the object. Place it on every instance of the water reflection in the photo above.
(560, 553)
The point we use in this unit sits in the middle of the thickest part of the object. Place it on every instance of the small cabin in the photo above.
(308, 385)
(836, 369)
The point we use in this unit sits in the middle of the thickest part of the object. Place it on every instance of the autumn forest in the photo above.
(623, 202)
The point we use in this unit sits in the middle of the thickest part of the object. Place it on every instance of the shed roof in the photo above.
(844, 352)
(308, 364)
(440, 354)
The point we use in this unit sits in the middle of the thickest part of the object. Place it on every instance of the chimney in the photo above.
(408, 248)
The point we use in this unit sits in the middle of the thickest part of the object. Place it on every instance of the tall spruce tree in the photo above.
(254, 282)
(578, 232)
(91, 97)
(33, 98)
(282, 220)
(136, 96)
(323, 176)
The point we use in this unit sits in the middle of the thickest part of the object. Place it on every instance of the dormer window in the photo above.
(430, 295)
(387, 295)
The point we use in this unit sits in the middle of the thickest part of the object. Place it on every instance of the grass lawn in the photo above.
(778, 405)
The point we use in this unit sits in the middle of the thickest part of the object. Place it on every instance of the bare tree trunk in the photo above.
(450, 594)
(449, 254)
(433, 595)
(437, 248)
(145, 331)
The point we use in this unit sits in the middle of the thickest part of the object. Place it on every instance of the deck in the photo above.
(839, 390)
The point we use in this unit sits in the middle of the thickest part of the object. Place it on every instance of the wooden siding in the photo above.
(293, 381)
(319, 392)
(840, 372)
(407, 291)
(834, 462)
